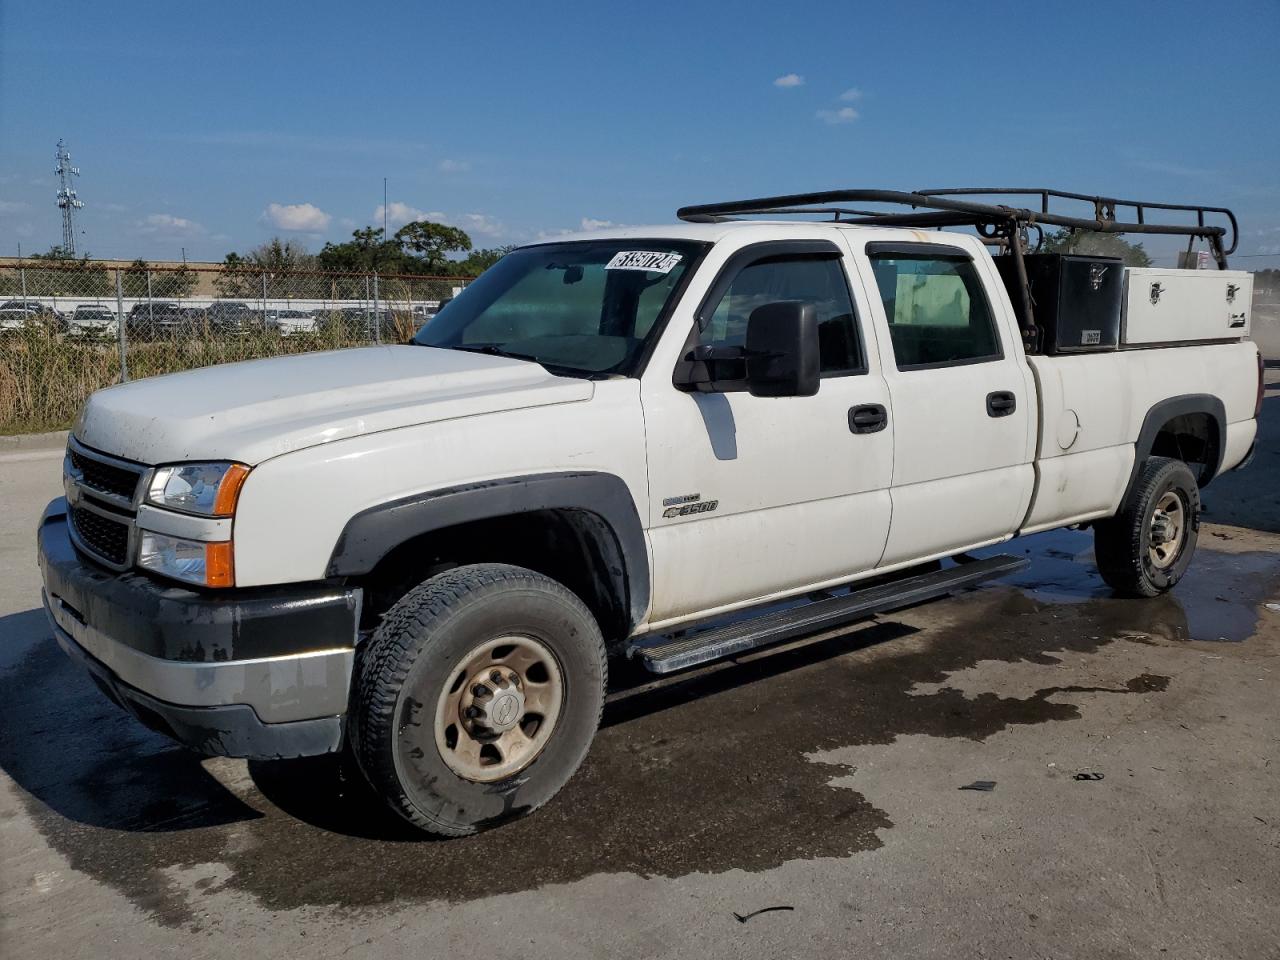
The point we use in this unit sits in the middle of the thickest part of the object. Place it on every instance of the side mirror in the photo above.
(782, 350)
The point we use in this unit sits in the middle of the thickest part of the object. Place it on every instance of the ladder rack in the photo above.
(997, 223)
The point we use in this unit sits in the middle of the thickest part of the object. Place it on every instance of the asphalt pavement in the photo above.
(1030, 769)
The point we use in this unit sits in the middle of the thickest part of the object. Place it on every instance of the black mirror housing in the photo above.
(782, 350)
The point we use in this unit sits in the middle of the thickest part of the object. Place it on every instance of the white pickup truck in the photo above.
(428, 552)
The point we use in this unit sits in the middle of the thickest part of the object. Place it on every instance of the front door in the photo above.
(752, 498)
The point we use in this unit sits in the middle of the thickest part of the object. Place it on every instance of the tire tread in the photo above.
(1119, 542)
(389, 655)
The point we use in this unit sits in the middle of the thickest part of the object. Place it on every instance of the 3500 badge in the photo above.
(688, 509)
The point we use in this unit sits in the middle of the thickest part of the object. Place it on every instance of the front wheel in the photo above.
(1145, 549)
(478, 697)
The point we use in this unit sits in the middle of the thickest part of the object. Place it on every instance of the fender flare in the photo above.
(373, 533)
(1162, 413)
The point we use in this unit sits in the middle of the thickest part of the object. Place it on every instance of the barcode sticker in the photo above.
(654, 262)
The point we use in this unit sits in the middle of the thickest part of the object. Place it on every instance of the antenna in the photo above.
(67, 200)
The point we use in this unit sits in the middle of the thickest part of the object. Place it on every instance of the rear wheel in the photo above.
(1145, 549)
(478, 697)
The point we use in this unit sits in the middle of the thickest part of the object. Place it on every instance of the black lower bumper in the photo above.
(257, 672)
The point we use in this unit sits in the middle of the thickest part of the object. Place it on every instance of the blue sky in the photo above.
(214, 126)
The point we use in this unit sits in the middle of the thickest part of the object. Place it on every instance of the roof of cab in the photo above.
(707, 232)
(747, 231)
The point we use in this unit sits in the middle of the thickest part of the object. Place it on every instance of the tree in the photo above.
(235, 280)
(281, 256)
(134, 279)
(365, 252)
(1096, 245)
(166, 283)
(279, 260)
(481, 260)
(73, 278)
(431, 242)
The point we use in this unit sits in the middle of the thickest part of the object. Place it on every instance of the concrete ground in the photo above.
(827, 779)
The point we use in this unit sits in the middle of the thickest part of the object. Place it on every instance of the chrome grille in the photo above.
(103, 493)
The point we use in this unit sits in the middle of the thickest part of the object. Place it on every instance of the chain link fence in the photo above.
(69, 329)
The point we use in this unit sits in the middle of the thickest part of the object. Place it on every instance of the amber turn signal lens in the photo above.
(219, 565)
(224, 504)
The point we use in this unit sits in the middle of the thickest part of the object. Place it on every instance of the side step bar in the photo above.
(821, 615)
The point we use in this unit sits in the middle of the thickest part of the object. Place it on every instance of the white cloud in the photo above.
(475, 224)
(591, 223)
(167, 225)
(398, 214)
(12, 206)
(454, 166)
(842, 115)
(850, 95)
(297, 217)
(789, 80)
(480, 223)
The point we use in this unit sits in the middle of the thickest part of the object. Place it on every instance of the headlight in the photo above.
(208, 489)
(193, 561)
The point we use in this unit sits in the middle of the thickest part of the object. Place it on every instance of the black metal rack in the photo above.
(996, 223)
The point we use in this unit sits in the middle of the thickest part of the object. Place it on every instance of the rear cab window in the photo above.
(935, 305)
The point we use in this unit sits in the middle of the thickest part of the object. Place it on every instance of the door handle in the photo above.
(1001, 403)
(868, 418)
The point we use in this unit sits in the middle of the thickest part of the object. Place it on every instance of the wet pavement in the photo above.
(825, 776)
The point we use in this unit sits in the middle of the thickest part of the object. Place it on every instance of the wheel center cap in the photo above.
(504, 710)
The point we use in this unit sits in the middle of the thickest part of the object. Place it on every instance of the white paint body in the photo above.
(802, 502)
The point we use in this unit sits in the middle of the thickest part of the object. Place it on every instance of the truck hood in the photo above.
(259, 409)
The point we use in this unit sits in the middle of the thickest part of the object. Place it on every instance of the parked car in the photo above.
(51, 319)
(93, 320)
(232, 316)
(291, 322)
(669, 445)
(153, 320)
(16, 320)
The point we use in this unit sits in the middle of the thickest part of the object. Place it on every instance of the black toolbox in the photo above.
(1076, 299)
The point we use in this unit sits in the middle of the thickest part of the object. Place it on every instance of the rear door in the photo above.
(962, 398)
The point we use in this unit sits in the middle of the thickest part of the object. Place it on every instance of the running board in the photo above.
(820, 615)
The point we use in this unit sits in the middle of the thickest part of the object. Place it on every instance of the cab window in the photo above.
(937, 310)
(819, 280)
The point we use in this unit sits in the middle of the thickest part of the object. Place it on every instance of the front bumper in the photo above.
(262, 672)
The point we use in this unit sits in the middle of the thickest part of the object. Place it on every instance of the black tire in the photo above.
(1122, 544)
(421, 644)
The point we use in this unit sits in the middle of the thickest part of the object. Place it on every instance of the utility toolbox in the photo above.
(1076, 299)
(1176, 306)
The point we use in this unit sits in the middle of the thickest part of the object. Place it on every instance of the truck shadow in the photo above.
(85, 760)
(332, 794)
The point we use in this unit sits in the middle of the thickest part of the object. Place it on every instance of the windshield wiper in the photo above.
(493, 350)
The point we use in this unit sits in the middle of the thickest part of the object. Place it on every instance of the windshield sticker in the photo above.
(643, 260)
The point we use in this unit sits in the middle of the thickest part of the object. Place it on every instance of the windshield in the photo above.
(586, 308)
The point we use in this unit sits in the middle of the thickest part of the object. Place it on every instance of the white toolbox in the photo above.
(1175, 306)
